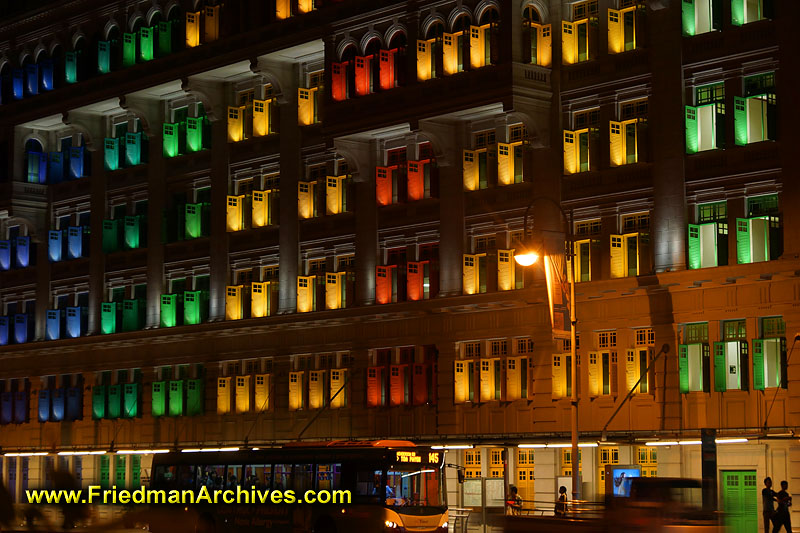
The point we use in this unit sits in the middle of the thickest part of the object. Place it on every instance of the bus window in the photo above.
(186, 477)
(283, 476)
(328, 477)
(234, 478)
(213, 477)
(258, 476)
(164, 477)
(302, 478)
(413, 486)
(368, 484)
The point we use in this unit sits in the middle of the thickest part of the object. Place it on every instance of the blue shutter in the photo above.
(32, 79)
(57, 405)
(20, 328)
(55, 245)
(53, 325)
(21, 406)
(75, 322)
(74, 403)
(4, 330)
(23, 252)
(55, 167)
(76, 162)
(46, 68)
(5, 255)
(6, 407)
(44, 405)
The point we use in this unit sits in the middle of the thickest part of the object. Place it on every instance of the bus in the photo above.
(393, 486)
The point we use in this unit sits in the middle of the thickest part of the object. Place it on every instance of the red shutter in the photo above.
(420, 384)
(383, 185)
(396, 385)
(373, 386)
(363, 75)
(387, 69)
(416, 179)
(339, 81)
(414, 278)
(383, 284)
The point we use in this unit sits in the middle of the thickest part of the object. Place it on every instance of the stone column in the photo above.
(156, 192)
(97, 259)
(291, 170)
(220, 155)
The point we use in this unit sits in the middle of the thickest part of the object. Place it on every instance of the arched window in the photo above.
(393, 74)
(537, 40)
(483, 39)
(367, 69)
(130, 43)
(170, 32)
(36, 162)
(454, 46)
(30, 76)
(75, 62)
(429, 52)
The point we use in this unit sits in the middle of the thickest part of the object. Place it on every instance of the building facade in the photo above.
(250, 223)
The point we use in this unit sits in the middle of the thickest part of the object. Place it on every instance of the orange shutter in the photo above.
(374, 386)
(416, 179)
(363, 75)
(397, 385)
(420, 384)
(387, 69)
(383, 185)
(339, 81)
(383, 284)
(414, 279)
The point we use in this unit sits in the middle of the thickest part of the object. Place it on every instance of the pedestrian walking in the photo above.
(767, 503)
(783, 517)
(561, 504)
(514, 502)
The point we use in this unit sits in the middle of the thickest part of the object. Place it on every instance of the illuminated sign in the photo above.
(413, 457)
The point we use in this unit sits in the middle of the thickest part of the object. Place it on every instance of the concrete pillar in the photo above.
(156, 192)
(43, 293)
(787, 79)
(97, 259)
(291, 170)
(366, 223)
(666, 115)
(219, 235)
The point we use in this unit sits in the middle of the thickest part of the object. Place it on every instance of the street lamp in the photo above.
(532, 249)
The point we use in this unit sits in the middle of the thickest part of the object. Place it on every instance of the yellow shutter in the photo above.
(505, 164)
(260, 215)
(242, 394)
(635, 140)
(631, 366)
(487, 381)
(234, 213)
(338, 377)
(569, 43)
(305, 294)
(259, 298)
(424, 60)
(295, 391)
(305, 199)
(617, 143)
(262, 393)
(450, 53)
(559, 379)
(223, 396)
(505, 270)
(211, 26)
(283, 9)
(616, 39)
(305, 6)
(544, 48)
(333, 290)
(334, 194)
(513, 380)
(618, 256)
(470, 170)
(477, 46)
(236, 123)
(595, 386)
(305, 106)
(192, 29)
(578, 266)
(261, 118)
(460, 378)
(628, 266)
(570, 152)
(233, 302)
(470, 282)
(316, 388)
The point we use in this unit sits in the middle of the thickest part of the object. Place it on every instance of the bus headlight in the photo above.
(390, 524)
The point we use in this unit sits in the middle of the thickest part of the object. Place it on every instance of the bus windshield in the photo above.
(413, 486)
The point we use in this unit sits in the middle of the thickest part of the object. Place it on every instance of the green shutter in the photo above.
(758, 364)
(720, 368)
(146, 49)
(194, 221)
(737, 12)
(110, 236)
(131, 401)
(128, 49)
(71, 67)
(105, 461)
(132, 236)
(694, 246)
(683, 367)
(111, 153)
(132, 315)
(194, 307)
(136, 471)
(168, 310)
(133, 149)
(743, 241)
(692, 137)
(103, 57)
(194, 134)
(114, 401)
(176, 398)
(783, 369)
(108, 318)
(119, 470)
(171, 140)
(194, 397)
(159, 404)
(98, 402)
(165, 37)
(688, 17)
(740, 119)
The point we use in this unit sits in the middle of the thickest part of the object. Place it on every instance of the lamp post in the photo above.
(529, 256)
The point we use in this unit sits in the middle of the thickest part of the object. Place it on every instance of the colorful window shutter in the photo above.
(450, 53)
(383, 185)
(129, 49)
(631, 367)
(262, 117)
(305, 199)
(423, 60)
(305, 106)
(146, 43)
(514, 367)
(571, 152)
(758, 365)
(363, 75)
(223, 395)
(98, 402)
(720, 368)
(416, 179)
(397, 376)
(283, 9)
(338, 399)
(305, 294)
(235, 213)
(617, 144)
(689, 17)
(211, 26)
(335, 195)
(259, 299)
(559, 376)
(683, 367)
(383, 284)
(192, 29)
(616, 37)
(295, 391)
(242, 394)
(470, 274)
(595, 374)
(339, 81)
(333, 290)
(414, 280)
(316, 389)
(130, 400)
(262, 393)
(461, 382)
(692, 130)
(470, 168)
(420, 384)
(569, 43)
(103, 57)
(387, 69)
(477, 46)
(260, 208)
(505, 270)
(505, 164)
(234, 309)
(617, 257)
(236, 123)
(695, 256)
(374, 377)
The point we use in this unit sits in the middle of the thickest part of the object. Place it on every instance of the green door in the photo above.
(740, 501)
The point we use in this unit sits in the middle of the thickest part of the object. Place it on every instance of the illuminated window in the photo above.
(633, 109)
(484, 139)
(645, 337)
(693, 357)
(472, 463)
(701, 16)
(647, 458)
(485, 243)
(708, 239)
(622, 28)
(566, 462)
(587, 227)
(499, 347)
(607, 455)
(496, 466)
(755, 114)
(705, 121)
(770, 355)
(525, 477)
(636, 222)
(607, 339)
